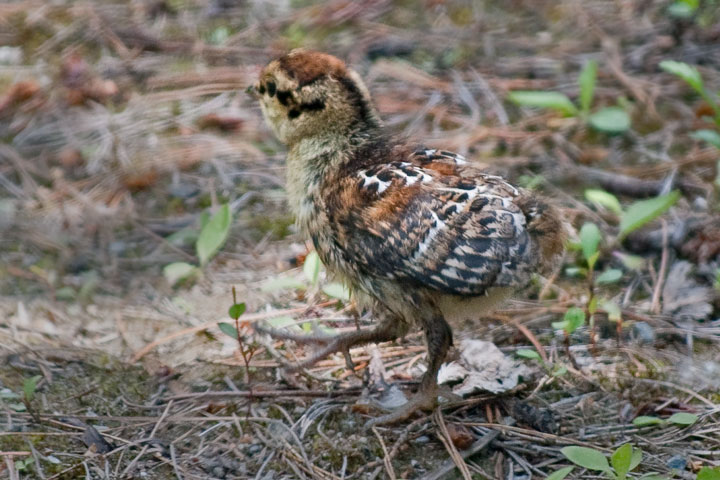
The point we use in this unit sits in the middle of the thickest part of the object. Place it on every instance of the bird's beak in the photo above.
(252, 91)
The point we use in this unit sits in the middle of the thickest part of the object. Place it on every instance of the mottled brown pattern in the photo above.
(415, 232)
(307, 67)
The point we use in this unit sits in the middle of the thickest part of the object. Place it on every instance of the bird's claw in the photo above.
(423, 400)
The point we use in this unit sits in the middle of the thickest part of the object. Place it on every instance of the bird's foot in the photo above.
(424, 399)
(333, 343)
(299, 338)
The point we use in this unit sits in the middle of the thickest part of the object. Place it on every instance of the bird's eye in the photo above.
(271, 88)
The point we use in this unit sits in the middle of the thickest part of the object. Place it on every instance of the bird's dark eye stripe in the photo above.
(271, 88)
(314, 105)
(283, 96)
(261, 89)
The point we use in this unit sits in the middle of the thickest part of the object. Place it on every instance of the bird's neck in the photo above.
(308, 162)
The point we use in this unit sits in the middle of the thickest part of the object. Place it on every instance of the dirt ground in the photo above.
(125, 123)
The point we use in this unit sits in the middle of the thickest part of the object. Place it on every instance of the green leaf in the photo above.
(631, 262)
(228, 329)
(710, 136)
(621, 459)
(611, 275)
(559, 371)
(601, 198)
(574, 318)
(610, 120)
(179, 271)
(527, 353)
(559, 474)
(214, 234)
(29, 387)
(707, 473)
(590, 237)
(690, 74)
(337, 290)
(311, 267)
(283, 322)
(65, 293)
(592, 306)
(575, 272)
(613, 310)
(236, 310)
(683, 418)
(681, 10)
(587, 85)
(644, 421)
(644, 211)
(637, 457)
(553, 100)
(587, 458)
(219, 35)
(281, 283)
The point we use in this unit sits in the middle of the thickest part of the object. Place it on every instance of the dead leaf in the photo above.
(482, 367)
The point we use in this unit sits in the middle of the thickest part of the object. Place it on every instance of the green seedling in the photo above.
(683, 9)
(550, 369)
(681, 418)
(312, 269)
(622, 461)
(707, 473)
(692, 77)
(213, 235)
(247, 350)
(611, 120)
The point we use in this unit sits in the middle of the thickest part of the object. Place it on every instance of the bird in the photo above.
(419, 235)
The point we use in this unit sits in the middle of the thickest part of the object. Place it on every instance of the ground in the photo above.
(125, 126)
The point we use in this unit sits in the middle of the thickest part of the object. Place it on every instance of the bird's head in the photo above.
(305, 94)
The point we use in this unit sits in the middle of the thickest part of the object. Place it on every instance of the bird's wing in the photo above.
(420, 221)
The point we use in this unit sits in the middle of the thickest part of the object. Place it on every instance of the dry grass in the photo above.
(122, 122)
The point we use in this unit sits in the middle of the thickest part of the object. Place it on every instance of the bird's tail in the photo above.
(546, 228)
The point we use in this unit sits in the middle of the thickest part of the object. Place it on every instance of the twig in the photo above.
(11, 466)
(386, 457)
(450, 446)
(199, 328)
(477, 446)
(655, 308)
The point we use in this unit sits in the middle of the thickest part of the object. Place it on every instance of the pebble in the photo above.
(677, 462)
(254, 448)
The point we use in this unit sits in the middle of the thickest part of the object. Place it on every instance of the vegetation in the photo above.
(143, 230)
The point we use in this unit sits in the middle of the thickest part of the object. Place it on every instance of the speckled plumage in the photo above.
(415, 232)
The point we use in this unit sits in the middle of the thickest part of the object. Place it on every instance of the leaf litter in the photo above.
(123, 127)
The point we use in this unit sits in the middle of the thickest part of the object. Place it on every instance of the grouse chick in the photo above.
(417, 234)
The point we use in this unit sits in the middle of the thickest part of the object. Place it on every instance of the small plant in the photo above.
(610, 120)
(29, 389)
(692, 77)
(213, 234)
(707, 473)
(552, 370)
(591, 238)
(247, 350)
(622, 461)
(681, 418)
(683, 8)
(312, 268)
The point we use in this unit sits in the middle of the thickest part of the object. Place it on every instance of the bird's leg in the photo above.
(439, 339)
(389, 328)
